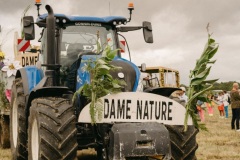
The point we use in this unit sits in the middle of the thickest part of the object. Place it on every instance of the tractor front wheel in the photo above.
(18, 130)
(52, 130)
(183, 144)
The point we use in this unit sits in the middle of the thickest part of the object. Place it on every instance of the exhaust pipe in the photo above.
(51, 53)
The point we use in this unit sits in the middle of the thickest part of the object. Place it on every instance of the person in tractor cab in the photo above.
(182, 94)
(175, 96)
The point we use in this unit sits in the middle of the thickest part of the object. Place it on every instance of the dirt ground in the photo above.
(5, 154)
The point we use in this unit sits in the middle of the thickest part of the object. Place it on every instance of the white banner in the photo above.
(138, 107)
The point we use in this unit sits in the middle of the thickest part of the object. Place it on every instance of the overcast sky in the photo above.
(179, 30)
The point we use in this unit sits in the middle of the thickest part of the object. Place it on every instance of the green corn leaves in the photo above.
(101, 83)
(198, 83)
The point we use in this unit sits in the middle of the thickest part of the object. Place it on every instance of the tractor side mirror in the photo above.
(28, 28)
(147, 32)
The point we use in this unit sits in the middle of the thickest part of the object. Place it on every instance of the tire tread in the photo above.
(20, 152)
(183, 144)
(57, 130)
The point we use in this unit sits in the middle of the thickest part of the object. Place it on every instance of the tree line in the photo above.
(223, 85)
(220, 85)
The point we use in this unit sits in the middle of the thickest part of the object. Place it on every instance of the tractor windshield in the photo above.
(77, 40)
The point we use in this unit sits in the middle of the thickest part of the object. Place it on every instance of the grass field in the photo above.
(220, 142)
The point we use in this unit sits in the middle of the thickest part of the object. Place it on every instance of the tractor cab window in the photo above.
(77, 40)
(150, 81)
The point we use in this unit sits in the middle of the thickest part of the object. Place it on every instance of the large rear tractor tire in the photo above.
(18, 130)
(52, 130)
(4, 132)
(183, 144)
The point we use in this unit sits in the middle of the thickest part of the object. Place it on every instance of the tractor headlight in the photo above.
(121, 75)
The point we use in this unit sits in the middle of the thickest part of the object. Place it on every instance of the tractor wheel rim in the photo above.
(34, 140)
(15, 122)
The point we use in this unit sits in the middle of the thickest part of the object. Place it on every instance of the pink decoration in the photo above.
(8, 94)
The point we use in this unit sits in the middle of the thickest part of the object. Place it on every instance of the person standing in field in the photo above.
(220, 104)
(225, 102)
(209, 105)
(235, 104)
(200, 110)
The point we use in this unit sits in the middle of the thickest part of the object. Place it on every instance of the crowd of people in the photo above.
(222, 100)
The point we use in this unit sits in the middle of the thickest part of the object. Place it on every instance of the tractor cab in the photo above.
(68, 39)
(160, 77)
(77, 35)
(160, 80)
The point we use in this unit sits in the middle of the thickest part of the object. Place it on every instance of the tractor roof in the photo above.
(72, 19)
(157, 69)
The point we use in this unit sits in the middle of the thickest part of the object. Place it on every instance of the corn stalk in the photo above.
(198, 83)
(101, 83)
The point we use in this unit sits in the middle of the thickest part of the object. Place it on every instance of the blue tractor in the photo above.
(46, 124)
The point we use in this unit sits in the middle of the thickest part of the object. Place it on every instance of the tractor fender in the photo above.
(34, 86)
(31, 76)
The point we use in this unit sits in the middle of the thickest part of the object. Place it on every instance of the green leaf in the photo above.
(98, 47)
(212, 52)
(102, 66)
(115, 85)
(102, 71)
(210, 81)
(212, 62)
(101, 61)
(198, 83)
(201, 68)
(200, 77)
(102, 82)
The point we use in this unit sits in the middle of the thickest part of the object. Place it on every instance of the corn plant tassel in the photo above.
(198, 83)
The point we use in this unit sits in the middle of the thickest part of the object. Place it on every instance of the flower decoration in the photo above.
(8, 94)
(11, 67)
(2, 55)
